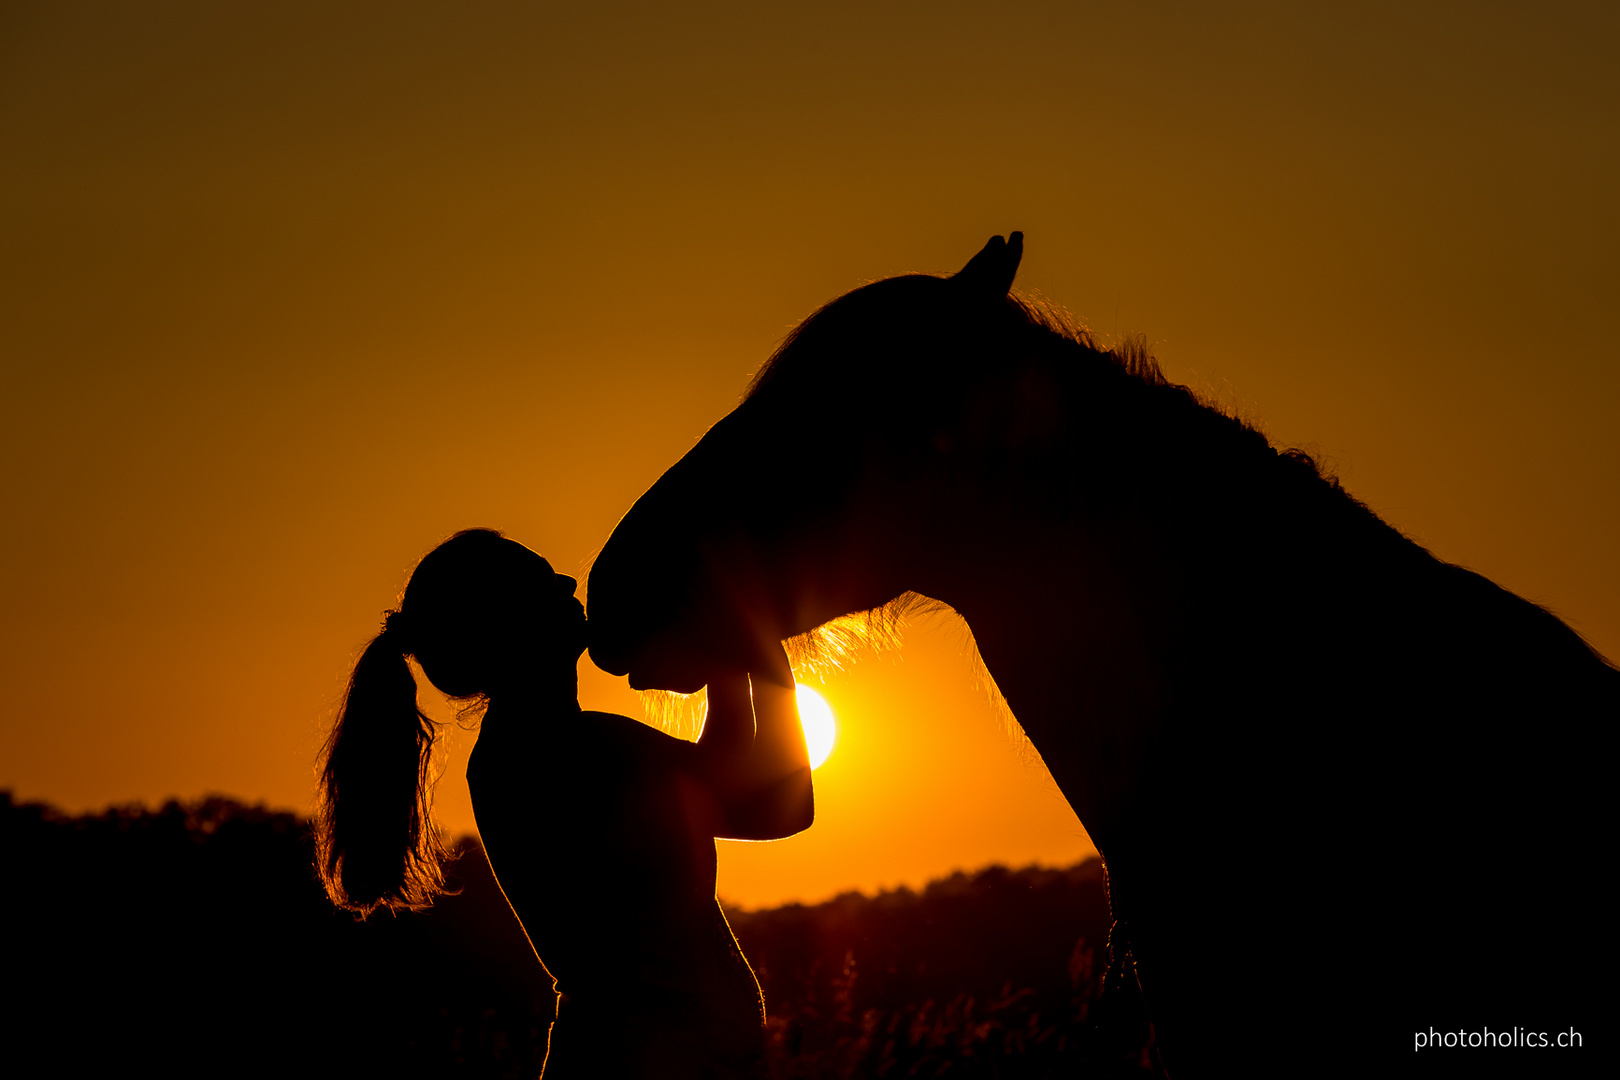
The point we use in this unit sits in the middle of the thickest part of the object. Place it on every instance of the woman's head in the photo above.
(482, 612)
(483, 615)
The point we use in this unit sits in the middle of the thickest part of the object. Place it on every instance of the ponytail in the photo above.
(376, 844)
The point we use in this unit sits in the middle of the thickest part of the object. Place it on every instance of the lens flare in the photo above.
(819, 727)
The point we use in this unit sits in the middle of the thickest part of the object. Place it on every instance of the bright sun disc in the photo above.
(819, 726)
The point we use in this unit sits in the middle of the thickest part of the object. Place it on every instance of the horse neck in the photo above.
(1072, 626)
(1088, 594)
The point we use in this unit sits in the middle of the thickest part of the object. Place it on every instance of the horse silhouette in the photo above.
(1345, 791)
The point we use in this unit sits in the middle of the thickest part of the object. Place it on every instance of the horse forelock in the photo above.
(885, 307)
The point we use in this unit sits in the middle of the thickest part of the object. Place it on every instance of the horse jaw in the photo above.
(680, 588)
(640, 618)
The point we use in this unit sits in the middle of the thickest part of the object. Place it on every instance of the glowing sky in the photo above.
(290, 291)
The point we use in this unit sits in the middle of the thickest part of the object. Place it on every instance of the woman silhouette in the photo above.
(600, 829)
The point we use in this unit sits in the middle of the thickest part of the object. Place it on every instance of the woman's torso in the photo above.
(601, 834)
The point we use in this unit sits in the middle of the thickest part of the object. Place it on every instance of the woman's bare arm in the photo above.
(753, 755)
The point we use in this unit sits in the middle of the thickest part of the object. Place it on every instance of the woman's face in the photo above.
(563, 614)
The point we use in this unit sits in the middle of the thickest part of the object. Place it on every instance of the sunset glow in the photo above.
(288, 300)
(820, 729)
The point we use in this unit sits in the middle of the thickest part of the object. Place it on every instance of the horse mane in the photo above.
(1133, 356)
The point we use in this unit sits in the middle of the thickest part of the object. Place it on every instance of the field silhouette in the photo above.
(998, 973)
(195, 938)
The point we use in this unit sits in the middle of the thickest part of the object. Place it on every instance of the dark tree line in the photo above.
(194, 940)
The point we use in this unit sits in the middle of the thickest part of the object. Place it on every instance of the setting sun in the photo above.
(819, 727)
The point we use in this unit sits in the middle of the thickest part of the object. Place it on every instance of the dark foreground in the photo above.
(195, 940)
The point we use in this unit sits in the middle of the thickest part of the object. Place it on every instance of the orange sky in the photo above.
(290, 291)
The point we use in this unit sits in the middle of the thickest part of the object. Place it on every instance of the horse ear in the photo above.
(992, 270)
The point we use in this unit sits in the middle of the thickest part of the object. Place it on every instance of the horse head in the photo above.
(811, 499)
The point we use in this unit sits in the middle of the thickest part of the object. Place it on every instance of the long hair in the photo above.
(376, 844)
(375, 840)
